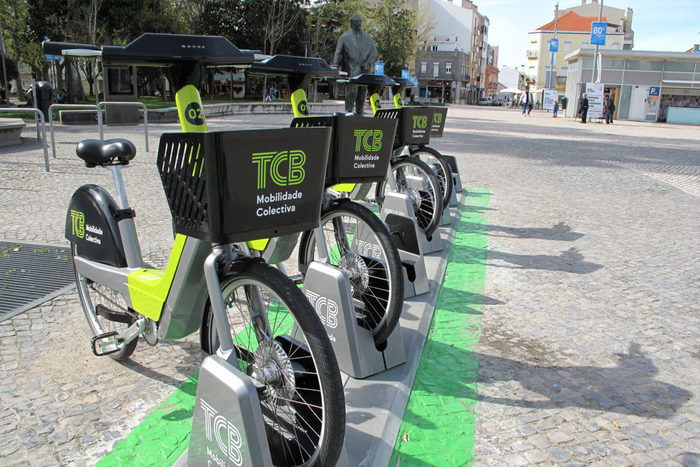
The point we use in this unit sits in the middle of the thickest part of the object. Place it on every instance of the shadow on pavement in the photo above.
(627, 388)
(570, 260)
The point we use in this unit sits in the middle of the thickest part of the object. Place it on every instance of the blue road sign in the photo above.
(54, 57)
(654, 90)
(554, 45)
(378, 68)
(598, 30)
(406, 74)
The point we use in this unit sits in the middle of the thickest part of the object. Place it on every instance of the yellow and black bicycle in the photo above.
(223, 189)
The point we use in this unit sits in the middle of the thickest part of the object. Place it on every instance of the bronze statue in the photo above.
(355, 54)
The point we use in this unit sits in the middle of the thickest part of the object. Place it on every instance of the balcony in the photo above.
(531, 54)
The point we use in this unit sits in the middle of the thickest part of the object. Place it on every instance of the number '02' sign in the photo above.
(598, 30)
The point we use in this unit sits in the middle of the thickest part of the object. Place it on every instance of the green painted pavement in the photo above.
(438, 424)
(440, 413)
(163, 435)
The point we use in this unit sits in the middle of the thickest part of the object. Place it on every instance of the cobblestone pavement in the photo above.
(589, 336)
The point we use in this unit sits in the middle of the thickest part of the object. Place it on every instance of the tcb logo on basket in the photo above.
(367, 141)
(326, 309)
(228, 438)
(283, 168)
(420, 121)
(437, 118)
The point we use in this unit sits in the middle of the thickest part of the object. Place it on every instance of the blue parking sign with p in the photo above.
(598, 30)
(554, 45)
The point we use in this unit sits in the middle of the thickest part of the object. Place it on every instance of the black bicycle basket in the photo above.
(437, 120)
(360, 149)
(233, 186)
(413, 126)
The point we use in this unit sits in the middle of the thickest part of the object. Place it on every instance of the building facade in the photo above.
(443, 60)
(646, 85)
(479, 52)
(573, 31)
(491, 75)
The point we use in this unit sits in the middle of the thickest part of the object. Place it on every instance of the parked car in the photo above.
(485, 101)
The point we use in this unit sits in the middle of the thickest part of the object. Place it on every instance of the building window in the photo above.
(566, 46)
(436, 67)
(585, 45)
(615, 46)
(448, 68)
(423, 67)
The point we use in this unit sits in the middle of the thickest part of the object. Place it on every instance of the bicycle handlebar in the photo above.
(290, 65)
(163, 50)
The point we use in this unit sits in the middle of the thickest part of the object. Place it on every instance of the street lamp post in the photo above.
(595, 78)
(551, 76)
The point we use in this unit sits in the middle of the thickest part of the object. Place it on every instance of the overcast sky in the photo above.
(670, 25)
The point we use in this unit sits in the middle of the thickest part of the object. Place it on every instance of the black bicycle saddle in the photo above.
(94, 152)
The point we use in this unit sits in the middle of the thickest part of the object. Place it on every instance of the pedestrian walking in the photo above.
(526, 101)
(583, 108)
(555, 109)
(609, 106)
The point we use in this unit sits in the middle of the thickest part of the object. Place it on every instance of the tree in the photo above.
(394, 27)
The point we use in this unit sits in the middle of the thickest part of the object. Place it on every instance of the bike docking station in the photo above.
(360, 153)
(328, 287)
(436, 129)
(228, 424)
(412, 129)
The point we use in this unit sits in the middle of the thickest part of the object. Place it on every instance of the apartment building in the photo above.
(573, 31)
(443, 60)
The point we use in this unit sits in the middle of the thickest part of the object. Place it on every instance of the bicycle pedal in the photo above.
(106, 344)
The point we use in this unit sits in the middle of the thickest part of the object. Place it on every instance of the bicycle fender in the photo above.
(91, 223)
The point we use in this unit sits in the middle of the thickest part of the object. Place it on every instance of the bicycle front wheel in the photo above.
(281, 344)
(441, 168)
(415, 179)
(359, 243)
(105, 310)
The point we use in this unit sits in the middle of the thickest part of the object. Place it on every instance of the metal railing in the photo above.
(76, 107)
(43, 128)
(145, 116)
(98, 109)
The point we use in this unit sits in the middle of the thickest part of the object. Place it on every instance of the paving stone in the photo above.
(558, 455)
(589, 327)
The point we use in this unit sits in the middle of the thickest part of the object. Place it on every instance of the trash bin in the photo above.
(564, 101)
(44, 97)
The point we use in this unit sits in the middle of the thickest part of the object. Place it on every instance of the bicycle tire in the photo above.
(308, 388)
(441, 168)
(91, 295)
(376, 277)
(427, 202)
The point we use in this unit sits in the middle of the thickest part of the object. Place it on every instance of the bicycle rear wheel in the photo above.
(441, 168)
(281, 344)
(415, 179)
(105, 310)
(359, 243)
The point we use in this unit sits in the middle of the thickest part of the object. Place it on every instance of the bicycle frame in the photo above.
(176, 297)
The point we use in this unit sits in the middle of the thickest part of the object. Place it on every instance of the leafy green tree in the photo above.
(394, 28)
